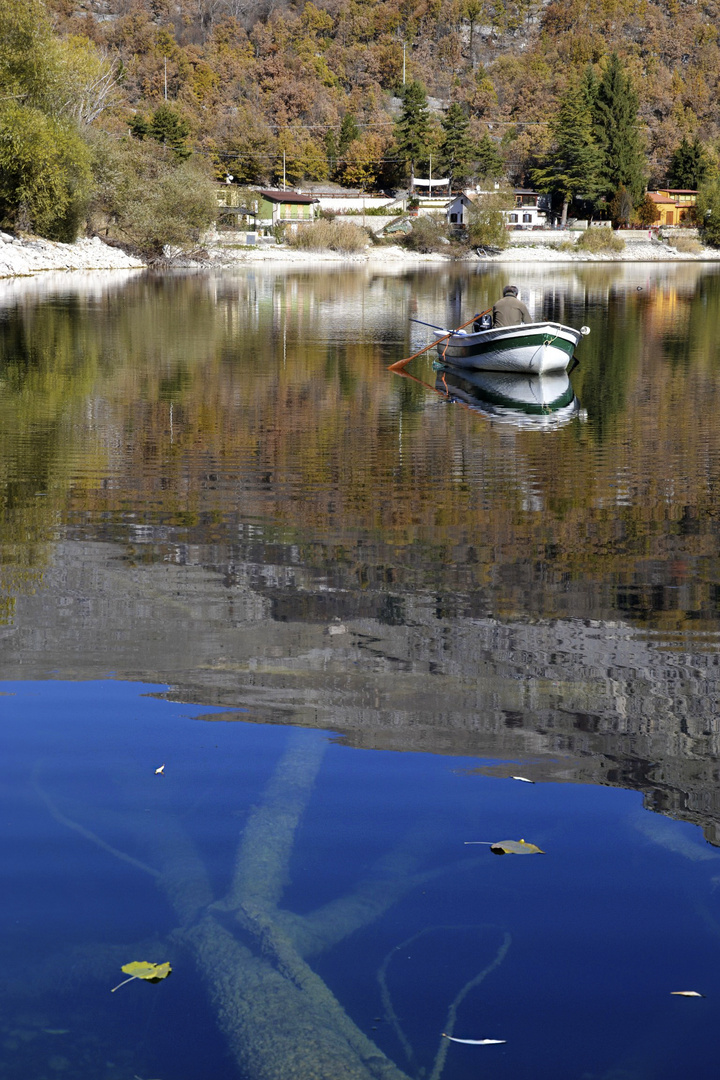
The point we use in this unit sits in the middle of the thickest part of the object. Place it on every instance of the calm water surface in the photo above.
(344, 608)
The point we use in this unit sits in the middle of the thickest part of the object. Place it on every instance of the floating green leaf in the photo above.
(141, 969)
(515, 847)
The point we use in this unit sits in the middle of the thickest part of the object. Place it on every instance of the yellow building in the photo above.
(674, 205)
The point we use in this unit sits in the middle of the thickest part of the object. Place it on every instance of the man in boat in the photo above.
(509, 311)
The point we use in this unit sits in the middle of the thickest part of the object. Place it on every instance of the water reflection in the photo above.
(533, 402)
(202, 478)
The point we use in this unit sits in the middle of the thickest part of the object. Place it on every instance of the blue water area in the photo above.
(570, 956)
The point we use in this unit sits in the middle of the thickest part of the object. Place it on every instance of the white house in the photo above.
(530, 210)
(456, 211)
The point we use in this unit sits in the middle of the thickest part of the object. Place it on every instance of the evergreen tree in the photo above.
(349, 132)
(490, 164)
(708, 212)
(139, 126)
(457, 149)
(615, 111)
(688, 165)
(412, 130)
(171, 129)
(573, 166)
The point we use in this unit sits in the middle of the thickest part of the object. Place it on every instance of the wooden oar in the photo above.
(400, 364)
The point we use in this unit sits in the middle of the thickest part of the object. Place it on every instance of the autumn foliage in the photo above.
(255, 80)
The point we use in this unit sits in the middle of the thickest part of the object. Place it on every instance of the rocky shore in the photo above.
(21, 257)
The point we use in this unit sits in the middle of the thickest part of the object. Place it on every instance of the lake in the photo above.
(283, 638)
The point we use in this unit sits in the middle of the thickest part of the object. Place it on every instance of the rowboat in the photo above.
(529, 347)
(520, 400)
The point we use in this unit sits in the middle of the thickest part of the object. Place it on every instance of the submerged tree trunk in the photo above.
(280, 1019)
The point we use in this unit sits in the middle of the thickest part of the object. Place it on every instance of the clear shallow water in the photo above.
(593, 935)
(232, 542)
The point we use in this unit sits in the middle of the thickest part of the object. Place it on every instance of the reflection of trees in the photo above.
(198, 404)
(241, 438)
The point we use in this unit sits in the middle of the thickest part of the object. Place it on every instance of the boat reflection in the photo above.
(538, 402)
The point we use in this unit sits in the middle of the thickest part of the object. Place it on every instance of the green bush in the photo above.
(146, 199)
(336, 235)
(486, 225)
(708, 212)
(428, 235)
(599, 241)
(44, 173)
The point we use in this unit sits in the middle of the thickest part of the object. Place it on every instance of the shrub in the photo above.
(599, 241)
(147, 199)
(336, 235)
(687, 245)
(45, 173)
(487, 225)
(427, 235)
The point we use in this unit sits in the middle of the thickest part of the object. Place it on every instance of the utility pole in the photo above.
(283, 170)
(165, 78)
(403, 63)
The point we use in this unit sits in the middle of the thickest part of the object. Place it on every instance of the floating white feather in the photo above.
(475, 1042)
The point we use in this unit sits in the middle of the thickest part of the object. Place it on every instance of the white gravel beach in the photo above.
(20, 257)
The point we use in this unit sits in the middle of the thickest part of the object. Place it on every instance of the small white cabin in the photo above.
(456, 211)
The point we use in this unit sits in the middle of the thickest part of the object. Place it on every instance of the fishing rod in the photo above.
(442, 329)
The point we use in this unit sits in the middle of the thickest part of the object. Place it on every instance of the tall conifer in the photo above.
(412, 130)
(490, 164)
(688, 165)
(457, 149)
(573, 166)
(616, 127)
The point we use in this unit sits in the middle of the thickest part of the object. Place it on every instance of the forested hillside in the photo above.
(144, 102)
(255, 78)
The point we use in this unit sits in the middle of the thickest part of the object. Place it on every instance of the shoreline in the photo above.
(32, 256)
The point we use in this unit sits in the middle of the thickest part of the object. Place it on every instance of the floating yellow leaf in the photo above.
(686, 993)
(141, 969)
(515, 847)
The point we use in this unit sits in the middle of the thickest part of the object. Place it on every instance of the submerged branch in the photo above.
(261, 869)
(87, 834)
(389, 1009)
(455, 1005)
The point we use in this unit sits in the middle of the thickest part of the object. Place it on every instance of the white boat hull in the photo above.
(532, 348)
